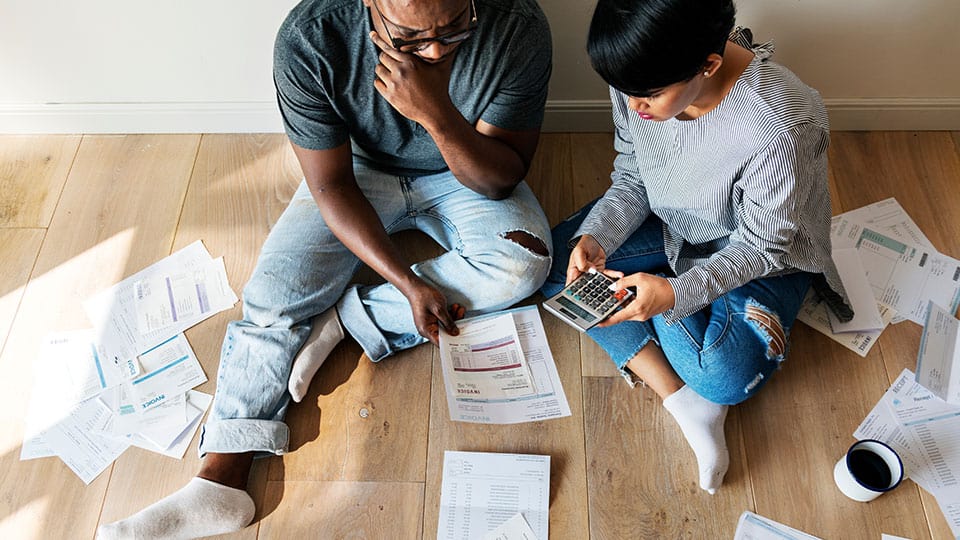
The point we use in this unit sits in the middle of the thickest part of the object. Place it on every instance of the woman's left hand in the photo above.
(654, 296)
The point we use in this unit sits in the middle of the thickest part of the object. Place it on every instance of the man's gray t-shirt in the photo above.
(324, 66)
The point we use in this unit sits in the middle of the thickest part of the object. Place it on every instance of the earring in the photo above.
(706, 73)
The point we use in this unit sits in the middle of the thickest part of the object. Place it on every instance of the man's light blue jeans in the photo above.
(726, 351)
(304, 270)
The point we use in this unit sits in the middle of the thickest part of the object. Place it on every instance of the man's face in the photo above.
(420, 21)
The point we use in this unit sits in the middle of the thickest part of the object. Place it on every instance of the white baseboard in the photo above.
(910, 114)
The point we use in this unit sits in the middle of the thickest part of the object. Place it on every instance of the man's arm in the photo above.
(484, 158)
(351, 217)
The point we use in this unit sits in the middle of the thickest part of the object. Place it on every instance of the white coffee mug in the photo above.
(870, 469)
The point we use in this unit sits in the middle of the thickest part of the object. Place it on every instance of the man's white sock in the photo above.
(701, 422)
(326, 333)
(201, 508)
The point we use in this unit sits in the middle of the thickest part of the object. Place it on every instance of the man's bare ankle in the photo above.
(231, 470)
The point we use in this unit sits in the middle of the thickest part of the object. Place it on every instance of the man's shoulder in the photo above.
(520, 8)
(310, 15)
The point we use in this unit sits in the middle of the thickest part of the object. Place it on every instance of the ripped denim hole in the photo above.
(529, 241)
(769, 328)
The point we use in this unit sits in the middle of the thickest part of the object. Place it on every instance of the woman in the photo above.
(718, 214)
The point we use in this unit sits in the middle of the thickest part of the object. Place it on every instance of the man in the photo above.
(404, 114)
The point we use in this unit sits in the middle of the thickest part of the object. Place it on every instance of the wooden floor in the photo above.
(78, 213)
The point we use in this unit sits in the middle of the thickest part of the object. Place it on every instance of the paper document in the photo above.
(500, 370)
(481, 491)
(80, 443)
(165, 300)
(813, 313)
(925, 431)
(515, 528)
(866, 315)
(170, 369)
(486, 361)
(888, 217)
(72, 369)
(754, 527)
(114, 311)
(938, 362)
(904, 276)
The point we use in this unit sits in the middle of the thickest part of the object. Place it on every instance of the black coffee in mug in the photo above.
(870, 469)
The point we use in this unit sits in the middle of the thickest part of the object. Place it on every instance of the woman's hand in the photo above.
(654, 296)
(587, 254)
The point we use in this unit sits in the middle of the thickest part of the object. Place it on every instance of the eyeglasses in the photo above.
(415, 45)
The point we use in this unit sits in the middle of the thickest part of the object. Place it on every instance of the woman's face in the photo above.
(668, 102)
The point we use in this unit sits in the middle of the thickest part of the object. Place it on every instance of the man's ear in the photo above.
(713, 63)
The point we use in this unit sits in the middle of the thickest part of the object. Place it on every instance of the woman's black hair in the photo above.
(638, 46)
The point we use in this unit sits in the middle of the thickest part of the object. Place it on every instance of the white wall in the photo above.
(204, 66)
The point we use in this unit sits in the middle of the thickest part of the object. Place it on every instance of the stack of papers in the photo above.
(925, 431)
(499, 370)
(129, 380)
(891, 272)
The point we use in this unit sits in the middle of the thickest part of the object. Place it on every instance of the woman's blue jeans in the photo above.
(727, 350)
(303, 270)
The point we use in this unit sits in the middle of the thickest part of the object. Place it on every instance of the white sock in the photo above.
(324, 336)
(701, 422)
(201, 508)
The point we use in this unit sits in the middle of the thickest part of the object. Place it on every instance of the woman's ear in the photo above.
(713, 63)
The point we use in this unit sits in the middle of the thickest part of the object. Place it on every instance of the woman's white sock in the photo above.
(201, 508)
(701, 422)
(326, 333)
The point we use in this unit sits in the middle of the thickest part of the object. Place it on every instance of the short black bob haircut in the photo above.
(640, 46)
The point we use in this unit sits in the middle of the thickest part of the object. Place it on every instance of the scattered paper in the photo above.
(888, 217)
(96, 392)
(481, 491)
(925, 431)
(114, 311)
(813, 313)
(755, 527)
(163, 301)
(867, 317)
(515, 528)
(938, 362)
(500, 370)
(904, 276)
(171, 368)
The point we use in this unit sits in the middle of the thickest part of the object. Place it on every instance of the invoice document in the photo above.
(500, 370)
(938, 362)
(114, 311)
(480, 491)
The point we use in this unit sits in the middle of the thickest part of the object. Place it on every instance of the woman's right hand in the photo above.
(586, 254)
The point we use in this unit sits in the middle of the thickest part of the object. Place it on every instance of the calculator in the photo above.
(587, 300)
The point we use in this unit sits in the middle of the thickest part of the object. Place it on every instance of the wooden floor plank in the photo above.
(550, 176)
(18, 251)
(313, 509)
(33, 169)
(117, 213)
(561, 439)
(797, 428)
(643, 478)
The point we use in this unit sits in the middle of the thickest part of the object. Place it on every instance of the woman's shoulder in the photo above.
(779, 98)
